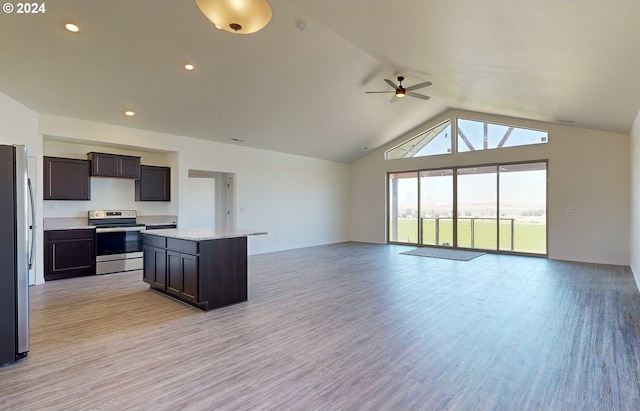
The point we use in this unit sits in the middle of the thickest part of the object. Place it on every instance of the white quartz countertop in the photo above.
(202, 233)
(78, 223)
(66, 223)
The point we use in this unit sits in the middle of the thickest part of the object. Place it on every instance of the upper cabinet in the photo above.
(66, 179)
(154, 184)
(114, 165)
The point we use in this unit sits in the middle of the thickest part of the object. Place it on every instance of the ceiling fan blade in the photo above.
(416, 95)
(393, 99)
(389, 82)
(419, 85)
(373, 92)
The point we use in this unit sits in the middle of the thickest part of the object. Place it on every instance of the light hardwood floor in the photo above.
(348, 326)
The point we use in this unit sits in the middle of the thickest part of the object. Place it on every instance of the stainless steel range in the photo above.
(118, 240)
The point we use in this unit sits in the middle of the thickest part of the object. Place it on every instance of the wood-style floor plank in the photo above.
(347, 326)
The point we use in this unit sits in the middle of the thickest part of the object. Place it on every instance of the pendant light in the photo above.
(237, 16)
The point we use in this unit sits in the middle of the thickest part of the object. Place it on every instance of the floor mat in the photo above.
(462, 255)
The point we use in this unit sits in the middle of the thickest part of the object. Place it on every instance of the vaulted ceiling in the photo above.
(303, 92)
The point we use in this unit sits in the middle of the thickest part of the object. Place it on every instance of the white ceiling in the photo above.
(298, 92)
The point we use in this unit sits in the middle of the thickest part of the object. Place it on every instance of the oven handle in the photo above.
(118, 229)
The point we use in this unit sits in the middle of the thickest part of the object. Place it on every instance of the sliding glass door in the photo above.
(523, 207)
(498, 207)
(403, 207)
(478, 207)
(436, 207)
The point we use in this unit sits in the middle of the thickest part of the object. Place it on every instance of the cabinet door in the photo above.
(154, 266)
(174, 272)
(182, 275)
(149, 264)
(154, 184)
(128, 167)
(160, 272)
(189, 276)
(113, 165)
(69, 253)
(66, 179)
(103, 165)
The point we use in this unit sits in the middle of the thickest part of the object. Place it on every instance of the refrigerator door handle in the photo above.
(32, 227)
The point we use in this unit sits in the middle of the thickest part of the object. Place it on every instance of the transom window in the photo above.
(436, 140)
(479, 135)
(472, 135)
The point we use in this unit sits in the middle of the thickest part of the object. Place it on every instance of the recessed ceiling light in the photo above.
(72, 27)
(189, 67)
(303, 26)
(129, 113)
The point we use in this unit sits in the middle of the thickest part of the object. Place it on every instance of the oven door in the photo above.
(118, 249)
(118, 240)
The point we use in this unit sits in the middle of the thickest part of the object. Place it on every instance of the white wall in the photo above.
(201, 201)
(299, 201)
(19, 125)
(635, 200)
(588, 172)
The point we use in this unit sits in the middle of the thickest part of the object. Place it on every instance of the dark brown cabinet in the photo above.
(182, 275)
(207, 274)
(114, 165)
(69, 253)
(155, 261)
(66, 179)
(154, 184)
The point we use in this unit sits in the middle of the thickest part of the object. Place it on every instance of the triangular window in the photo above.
(481, 135)
(436, 140)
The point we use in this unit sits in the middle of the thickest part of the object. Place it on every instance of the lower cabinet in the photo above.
(155, 266)
(207, 274)
(69, 253)
(182, 275)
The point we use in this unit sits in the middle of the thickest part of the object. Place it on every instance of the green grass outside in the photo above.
(528, 237)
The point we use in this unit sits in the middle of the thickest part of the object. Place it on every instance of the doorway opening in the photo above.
(211, 199)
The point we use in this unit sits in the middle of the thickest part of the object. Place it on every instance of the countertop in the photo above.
(66, 223)
(152, 220)
(202, 233)
(79, 223)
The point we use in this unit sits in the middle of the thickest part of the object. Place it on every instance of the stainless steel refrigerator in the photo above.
(16, 253)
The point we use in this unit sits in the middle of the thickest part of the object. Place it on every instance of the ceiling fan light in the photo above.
(400, 93)
(237, 16)
(72, 27)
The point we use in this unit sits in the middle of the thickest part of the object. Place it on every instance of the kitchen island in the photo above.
(204, 267)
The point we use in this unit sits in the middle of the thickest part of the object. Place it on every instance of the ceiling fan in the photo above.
(401, 91)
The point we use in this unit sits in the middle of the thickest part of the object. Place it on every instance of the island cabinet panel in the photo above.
(225, 270)
(183, 246)
(189, 267)
(182, 275)
(154, 261)
(69, 253)
(207, 274)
